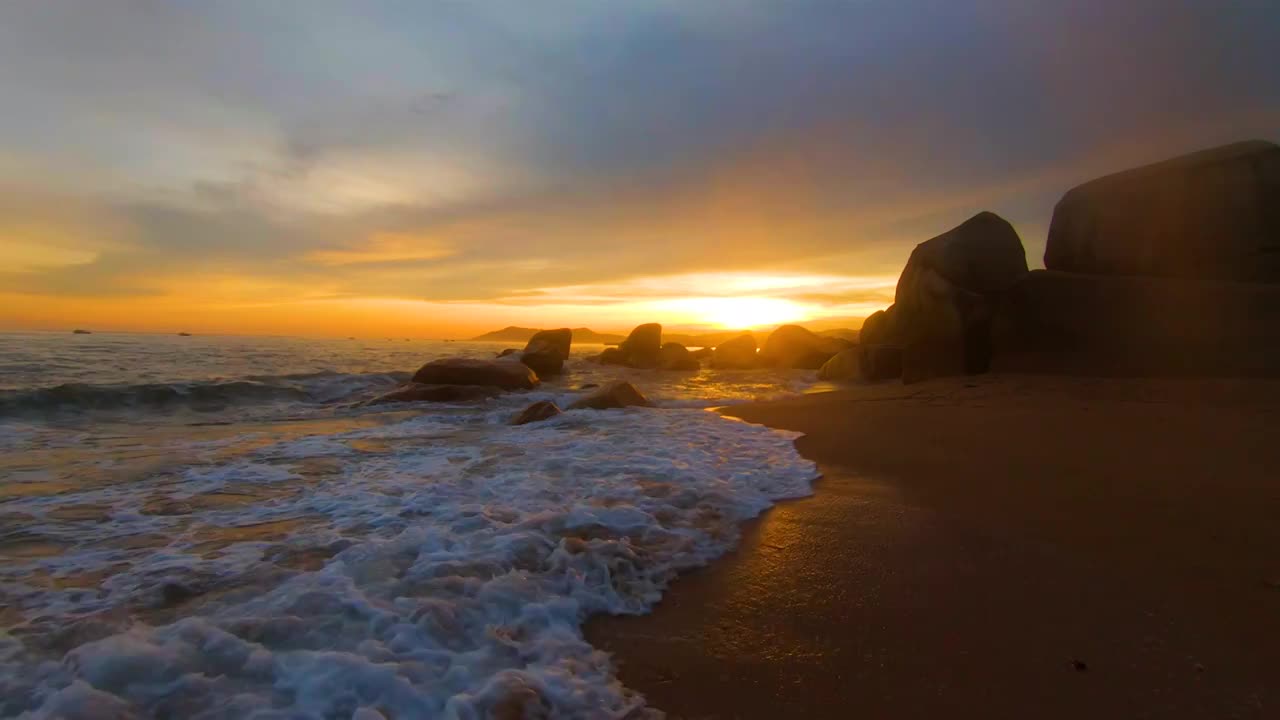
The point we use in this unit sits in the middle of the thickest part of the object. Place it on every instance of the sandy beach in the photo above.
(998, 546)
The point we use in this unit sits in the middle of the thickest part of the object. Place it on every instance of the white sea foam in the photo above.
(454, 560)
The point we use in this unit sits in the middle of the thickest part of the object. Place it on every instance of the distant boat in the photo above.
(78, 331)
(184, 334)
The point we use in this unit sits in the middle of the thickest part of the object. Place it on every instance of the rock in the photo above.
(1209, 215)
(617, 394)
(466, 371)
(611, 356)
(792, 346)
(982, 254)
(946, 298)
(1055, 322)
(703, 353)
(175, 593)
(879, 362)
(508, 351)
(876, 329)
(674, 356)
(738, 353)
(541, 410)
(642, 347)
(547, 351)
(419, 392)
(844, 366)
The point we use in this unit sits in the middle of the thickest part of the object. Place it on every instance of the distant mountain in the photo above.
(508, 334)
(522, 334)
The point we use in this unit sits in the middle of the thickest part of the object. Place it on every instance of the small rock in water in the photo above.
(174, 593)
(541, 410)
(618, 394)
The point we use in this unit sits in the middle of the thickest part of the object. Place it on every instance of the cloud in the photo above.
(501, 153)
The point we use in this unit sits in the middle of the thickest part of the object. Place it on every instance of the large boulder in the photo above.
(419, 392)
(617, 394)
(1212, 215)
(505, 374)
(877, 329)
(791, 346)
(674, 356)
(736, 354)
(945, 299)
(982, 254)
(541, 410)
(1110, 325)
(879, 362)
(547, 350)
(642, 347)
(844, 366)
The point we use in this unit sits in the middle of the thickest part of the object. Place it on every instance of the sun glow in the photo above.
(743, 313)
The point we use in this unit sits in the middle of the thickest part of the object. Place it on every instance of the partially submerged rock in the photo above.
(674, 356)
(547, 351)
(541, 410)
(617, 394)
(641, 349)
(736, 354)
(420, 392)
(792, 346)
(643, 346)
(504, 374)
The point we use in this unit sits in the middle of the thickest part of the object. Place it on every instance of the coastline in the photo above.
(994, 546)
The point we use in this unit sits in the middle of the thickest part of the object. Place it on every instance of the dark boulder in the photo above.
(879, 362)
(792, 346)
(504, 374)
(541, 410)
(419, 392)
(642, 347)
(674, 356)
(703, 353)
(736, 354)
(617, 394)
(1055, 322)
(946, 297)
(508, 351)
(547, 351)
(877, 329)
(611, 356)
(844, 366)
(1210, 215)
(983, 255)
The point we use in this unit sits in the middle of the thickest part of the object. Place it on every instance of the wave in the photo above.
(200, 395)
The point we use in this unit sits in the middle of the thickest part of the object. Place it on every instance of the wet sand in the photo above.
(998, 547)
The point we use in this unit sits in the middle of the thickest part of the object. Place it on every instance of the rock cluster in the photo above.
(1169, 268)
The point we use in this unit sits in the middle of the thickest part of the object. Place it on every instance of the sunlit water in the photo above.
(211, 527)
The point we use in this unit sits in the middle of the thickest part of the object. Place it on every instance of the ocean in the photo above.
(214, 527)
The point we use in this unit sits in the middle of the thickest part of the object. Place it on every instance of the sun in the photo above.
(743, 313)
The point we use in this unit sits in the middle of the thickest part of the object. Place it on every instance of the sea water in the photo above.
(215, 527)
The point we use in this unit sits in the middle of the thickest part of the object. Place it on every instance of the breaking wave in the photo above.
(209, 395)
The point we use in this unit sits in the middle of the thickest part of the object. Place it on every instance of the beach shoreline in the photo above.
(996, 546)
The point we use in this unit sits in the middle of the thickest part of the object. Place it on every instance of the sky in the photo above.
(439, 168)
